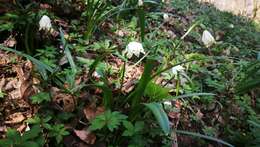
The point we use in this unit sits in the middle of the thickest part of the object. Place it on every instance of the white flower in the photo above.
(177, 69)
(167, 103)
(45, 23)
(165, 17)
(231, 26)
(140, 2)
(207, 38)
(133, 48)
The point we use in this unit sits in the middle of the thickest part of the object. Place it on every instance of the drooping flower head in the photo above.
(140, 2)
(45, 23)
(177, 69)
(207, 39)
(165, 17)
(134, 48)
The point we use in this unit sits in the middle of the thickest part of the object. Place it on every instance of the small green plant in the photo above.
(109, 120)
(21, 19)
(131, 130)
(96, 12)
(58, 132)
(40, 98)
(33, 138)
(48, 56)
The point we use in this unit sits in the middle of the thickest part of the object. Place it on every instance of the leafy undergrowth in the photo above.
(127, 73)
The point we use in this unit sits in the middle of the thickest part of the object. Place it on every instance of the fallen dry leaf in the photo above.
(86, 136)
(3, 129)
(10, 42)
(15, 118)
(91, 111)
(66, 101)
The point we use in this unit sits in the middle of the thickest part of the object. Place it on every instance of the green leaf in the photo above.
(111, 120)
(188, 95)
(35, 120)
(130, 130)
(107, 93)
(29, 144)
(41, 97)
(136, 95)
(58, 131)
(32, 133)
(139, 126)
(203, 136)
(13, 134)
(160, 115)
(141, 15)
(1, 94)
(6, 143)
(156, 92)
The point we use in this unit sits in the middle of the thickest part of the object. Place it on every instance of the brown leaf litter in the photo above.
(16, 82)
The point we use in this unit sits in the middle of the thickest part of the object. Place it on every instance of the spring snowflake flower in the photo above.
(133, 48)
(167, 103)
(177, 69)
(208, 39)
(165, 17)
(45, 23)
(140, 2)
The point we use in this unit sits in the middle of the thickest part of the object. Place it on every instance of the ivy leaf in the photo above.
(41, 97)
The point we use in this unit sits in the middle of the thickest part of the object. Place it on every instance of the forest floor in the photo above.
(88, 93)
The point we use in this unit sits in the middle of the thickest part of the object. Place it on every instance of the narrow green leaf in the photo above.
(189, 95)
(140, 89)
(203, 136)
(160, 115)
(141, 15)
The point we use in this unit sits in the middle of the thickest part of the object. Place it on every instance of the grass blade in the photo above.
(204, 137)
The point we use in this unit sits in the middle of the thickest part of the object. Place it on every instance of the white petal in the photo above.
(177, 69)
(165, 17)
(168, 103)
(140, 2)
(207, 38)
(45, 23)
(134, 48)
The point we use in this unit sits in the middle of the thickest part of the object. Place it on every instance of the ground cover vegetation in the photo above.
(127, 73)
